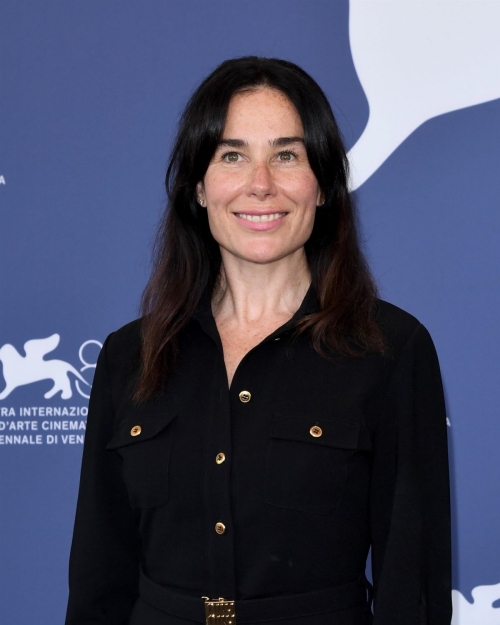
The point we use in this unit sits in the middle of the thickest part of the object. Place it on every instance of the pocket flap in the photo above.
(149, 427)
(334, 432)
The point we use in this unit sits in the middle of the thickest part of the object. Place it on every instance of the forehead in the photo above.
(262, 111)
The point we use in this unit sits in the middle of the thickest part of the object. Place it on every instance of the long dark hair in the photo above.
(187, 259)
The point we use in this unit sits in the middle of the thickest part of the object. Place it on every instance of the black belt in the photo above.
(224, 611)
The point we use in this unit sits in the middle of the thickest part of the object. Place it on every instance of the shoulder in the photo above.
(120, 355)
(401, 328)
(123, 344)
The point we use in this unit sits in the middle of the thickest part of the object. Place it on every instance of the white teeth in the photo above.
(258, 218)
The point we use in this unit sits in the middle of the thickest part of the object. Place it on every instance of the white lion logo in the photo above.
(481, 611)
(19, 370)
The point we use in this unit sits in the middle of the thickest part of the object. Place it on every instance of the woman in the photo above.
(268, 418)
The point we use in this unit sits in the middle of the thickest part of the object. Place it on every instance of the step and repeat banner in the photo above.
(91, 93)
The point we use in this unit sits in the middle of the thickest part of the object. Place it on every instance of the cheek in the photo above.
(303, 189)
(220, 188)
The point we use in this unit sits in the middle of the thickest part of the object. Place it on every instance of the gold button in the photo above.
(245, 396)
(220, 528)
(219, 458)
(316, 430)
(136, 430)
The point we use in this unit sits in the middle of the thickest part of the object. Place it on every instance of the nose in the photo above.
(261, 183)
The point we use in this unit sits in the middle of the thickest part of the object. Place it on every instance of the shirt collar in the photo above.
(203, 312)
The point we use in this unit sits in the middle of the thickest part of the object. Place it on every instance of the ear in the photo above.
(320, 200)
(200, 194)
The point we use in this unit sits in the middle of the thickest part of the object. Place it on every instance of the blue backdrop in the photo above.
(91, 94)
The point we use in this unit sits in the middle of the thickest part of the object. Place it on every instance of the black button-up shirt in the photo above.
(279, 484)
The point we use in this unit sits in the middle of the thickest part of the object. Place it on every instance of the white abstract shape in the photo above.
(481, 611)
(416, 60)
(38, 348)
(20, 370)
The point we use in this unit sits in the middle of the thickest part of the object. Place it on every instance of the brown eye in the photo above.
(231, 154)
(287, 153)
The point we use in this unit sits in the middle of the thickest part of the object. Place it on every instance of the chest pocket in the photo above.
(307, 461)
(144, 446)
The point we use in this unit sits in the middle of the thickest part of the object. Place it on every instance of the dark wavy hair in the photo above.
(187, 259)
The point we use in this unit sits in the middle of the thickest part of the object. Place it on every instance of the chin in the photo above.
(262, 256)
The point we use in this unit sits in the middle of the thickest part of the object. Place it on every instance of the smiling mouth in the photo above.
(260, 218)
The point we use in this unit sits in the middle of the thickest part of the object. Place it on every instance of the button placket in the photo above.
(217, 481)
(221, 404)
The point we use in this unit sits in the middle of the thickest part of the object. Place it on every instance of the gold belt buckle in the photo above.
(219, 611)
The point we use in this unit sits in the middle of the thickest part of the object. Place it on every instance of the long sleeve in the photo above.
(410, 493)
(104, 558)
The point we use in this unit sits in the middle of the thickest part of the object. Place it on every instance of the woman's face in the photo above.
(262, 170)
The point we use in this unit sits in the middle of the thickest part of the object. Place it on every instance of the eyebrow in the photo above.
(275, 143)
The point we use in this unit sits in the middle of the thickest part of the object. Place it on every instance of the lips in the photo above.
(260, 217)
(255, 220)
(256, 212)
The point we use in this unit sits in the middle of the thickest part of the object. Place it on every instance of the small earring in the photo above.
(202, 203)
